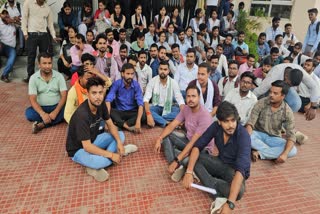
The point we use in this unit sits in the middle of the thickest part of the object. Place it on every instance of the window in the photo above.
(272, 8)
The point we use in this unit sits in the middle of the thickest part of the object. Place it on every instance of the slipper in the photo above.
(130, 148)
(217, 204)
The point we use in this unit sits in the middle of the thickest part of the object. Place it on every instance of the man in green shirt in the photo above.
(47, 95)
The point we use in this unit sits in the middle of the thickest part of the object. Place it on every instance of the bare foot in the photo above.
(255, 155)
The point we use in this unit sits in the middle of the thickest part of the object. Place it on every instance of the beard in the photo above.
(128, 81)
(163, 76)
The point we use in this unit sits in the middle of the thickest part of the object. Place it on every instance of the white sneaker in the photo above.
(178, 174)
(130, 148)
(98, 174)
(217, 204)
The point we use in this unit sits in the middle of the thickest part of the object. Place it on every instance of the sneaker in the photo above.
(36, 127)
(217, 204)
(98, 174)
(130, 148)
(5, 79)
(301, 138)
(178, 174)
(179, 134)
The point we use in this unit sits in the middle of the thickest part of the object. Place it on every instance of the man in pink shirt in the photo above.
(247, 66)
(112, 42)
(77, 50)
(176, 147)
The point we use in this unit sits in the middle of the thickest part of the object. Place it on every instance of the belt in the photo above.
(37, 33)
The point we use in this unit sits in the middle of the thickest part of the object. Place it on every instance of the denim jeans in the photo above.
(104, 141)
(9, 52)
(32, 115)
(293, 100)
(215, 174)
(173, 145)
(160, 120)
(269, 147)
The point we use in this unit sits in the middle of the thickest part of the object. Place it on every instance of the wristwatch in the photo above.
(231, 205)
(177, 160)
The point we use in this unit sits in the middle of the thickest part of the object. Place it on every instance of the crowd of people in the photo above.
(219, 105)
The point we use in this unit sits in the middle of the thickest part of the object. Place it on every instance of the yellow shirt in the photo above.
(72, 103)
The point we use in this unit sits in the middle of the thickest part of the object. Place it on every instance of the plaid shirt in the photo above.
(264, 120)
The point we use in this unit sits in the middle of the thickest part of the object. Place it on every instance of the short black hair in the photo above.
(278, 36)
(126, 66)
(281, 84)
(215, 27)
(86, 57)
(204, 65)
(101, 36)
(248, 74)
(122, 30)
(226, 110)
(241, 33)
(88, 31)
(164, 62)
(81, 71)
(298, 45)
(214, 56)
(262, 34)
(191, 50)
(290, 59)
(108, 30)
(275, 19)
(161, 47)
(317, 53)
(44, 55)
(132, 57)
(80, 36)
(197, 12)
(229, 35)
(251, 56)
(95, 81)
(267, 61)
(287, 25)
(231, 12)
(295, 76)
(313, 10)
(140, 35)
(142, 52)
(314, 62)
(123, 46)
(175, 45)
(74, 29)
(193, 87)
(202, 26)
(154, 45)
(220, 45)
(231, 62)
(241, 4)
(274, 50)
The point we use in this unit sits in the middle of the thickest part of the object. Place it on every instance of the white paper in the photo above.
(203, 188)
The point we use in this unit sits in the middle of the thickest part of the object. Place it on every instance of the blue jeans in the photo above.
(104, 141)
(9, 52)
(32, 115)
(293, 100)
(269, 147)
(160, 120)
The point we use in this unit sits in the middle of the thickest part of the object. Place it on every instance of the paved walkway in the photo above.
(37, 177)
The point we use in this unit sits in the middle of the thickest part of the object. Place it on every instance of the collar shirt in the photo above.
(13, 11)
(7, 34)
(144, 75)
(271, 33)
(184, 75)
(228, 86)
(183, 46)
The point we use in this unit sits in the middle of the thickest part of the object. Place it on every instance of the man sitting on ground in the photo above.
(47, 95)
(87, 142)
(197, 119)
(242, 98)
(162, 89)
(231, 81)
(128, 101)
(209, 91)
(267, 118)
(228, 171)
(143, 70)
(215, 73)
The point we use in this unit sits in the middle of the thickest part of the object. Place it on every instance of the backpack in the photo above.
(18, 6)
(299, 58)
(225, 79)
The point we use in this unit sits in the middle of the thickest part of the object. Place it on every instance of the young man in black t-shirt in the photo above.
(87, 142)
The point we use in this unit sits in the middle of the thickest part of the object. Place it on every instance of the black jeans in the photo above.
(215, 174)
(34, 41)
(189, 8)
(173, 145)
(129, 117)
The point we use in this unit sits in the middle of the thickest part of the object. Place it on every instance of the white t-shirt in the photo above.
(212, 2)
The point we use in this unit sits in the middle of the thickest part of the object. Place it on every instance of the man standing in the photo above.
(273, 30)
(8, 44)
(47, 95)
(312, 39)
(128, 101)
(189, 7)
(162, 88)
(228, 171)
(87, 142)
(267, 118)
(243, 99)
(176, 149)
(187, 71)
(37, 17)
(209, 91)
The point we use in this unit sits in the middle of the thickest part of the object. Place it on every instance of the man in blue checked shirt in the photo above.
(126, 95)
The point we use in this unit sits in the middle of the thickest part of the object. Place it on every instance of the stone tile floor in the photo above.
(37, 177)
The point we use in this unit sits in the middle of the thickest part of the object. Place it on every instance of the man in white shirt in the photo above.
(162, 88)
(184, 45)
(223, 62)
(243, 98)
(303, 90)
(187, 71)
(274, 30)
(228, 83)
(176, 59)
(278, 43)
(289, 39)
(7, 44)
(143, 70)
(296, 54)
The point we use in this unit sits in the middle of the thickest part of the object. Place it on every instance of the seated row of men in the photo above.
(226, 140)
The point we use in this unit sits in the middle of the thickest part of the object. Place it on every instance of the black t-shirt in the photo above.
(85, 126)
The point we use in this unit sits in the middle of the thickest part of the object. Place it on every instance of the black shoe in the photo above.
(19, 52)
(5, 79)
(26, 80)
